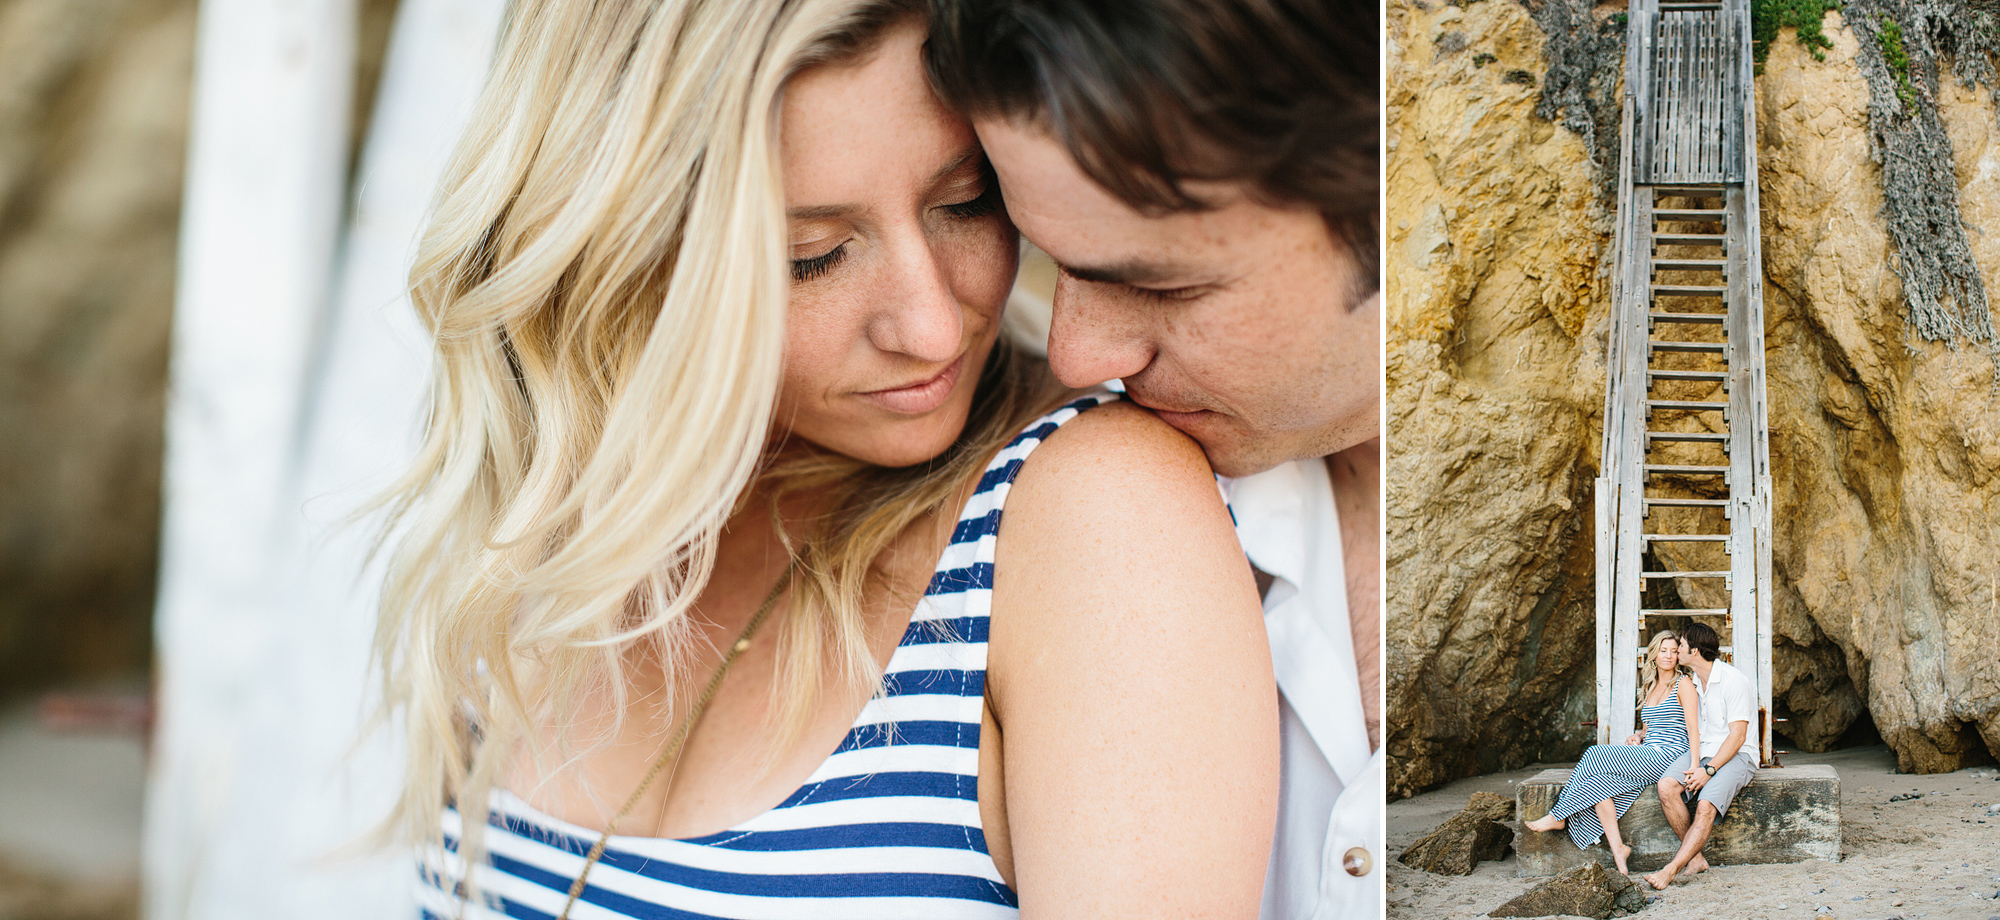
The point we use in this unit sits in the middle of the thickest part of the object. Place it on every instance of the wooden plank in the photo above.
(1630, 513)
(1606, 592)
(1691, 318)
(1621, 345)
(1690, 114)
(1707, 139)
(1697, 136)
(1710, 347)
(1678, 22)
(1655, 84)
(1712, 130)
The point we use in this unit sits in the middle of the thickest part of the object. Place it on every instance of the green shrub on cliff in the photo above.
(1768, 16)
(1893, 54)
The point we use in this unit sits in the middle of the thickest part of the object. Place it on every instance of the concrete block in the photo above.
(1785, 815)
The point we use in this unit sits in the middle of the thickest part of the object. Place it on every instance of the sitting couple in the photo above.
(1695, 713)
(703, 604)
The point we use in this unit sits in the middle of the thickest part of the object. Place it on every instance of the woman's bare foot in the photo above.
(1619, 854)
(1546, 823)
(1660, 880)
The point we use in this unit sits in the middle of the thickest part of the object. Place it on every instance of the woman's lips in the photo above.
(922, 396)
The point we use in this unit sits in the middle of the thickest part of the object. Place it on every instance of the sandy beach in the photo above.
(1931, 858)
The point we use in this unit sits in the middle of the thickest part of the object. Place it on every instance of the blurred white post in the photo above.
(297, 380)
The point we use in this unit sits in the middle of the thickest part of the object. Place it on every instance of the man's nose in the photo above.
(1092, 337)
(920, 315)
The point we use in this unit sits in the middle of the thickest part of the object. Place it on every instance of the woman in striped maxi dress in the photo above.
(1610, 777)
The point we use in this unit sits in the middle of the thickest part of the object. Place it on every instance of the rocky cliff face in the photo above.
(1884, 445)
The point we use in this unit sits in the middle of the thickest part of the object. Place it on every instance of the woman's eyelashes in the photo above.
(986, 203)
(804, 270)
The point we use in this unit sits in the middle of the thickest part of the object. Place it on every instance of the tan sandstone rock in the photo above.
(1495, 241)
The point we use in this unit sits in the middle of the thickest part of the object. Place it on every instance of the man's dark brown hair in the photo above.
(1148, 94)
(1701, 636)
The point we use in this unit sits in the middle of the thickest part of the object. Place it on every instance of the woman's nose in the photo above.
(920, 314)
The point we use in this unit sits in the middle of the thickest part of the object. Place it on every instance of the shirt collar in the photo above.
(1287, 523)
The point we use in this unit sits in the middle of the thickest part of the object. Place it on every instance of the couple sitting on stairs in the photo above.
(1695, 714)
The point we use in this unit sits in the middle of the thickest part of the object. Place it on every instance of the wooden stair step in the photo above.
(1688, 265)
(1687, 191)
(1683, 574)
(1709, 347)
(1686, 502)
(1685, 612)
(1689, 404)
(1711, 437)
(1716, 319)
(1688, 469)
(1716, 376)
(1689, 290)
(1696, 214)
(1689, 239)
(1686, 538)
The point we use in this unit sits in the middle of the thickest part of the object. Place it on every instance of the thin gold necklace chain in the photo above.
(672, 750)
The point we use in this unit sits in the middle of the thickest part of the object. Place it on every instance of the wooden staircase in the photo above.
(1683, 505)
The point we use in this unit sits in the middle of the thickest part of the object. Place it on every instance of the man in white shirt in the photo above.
(1204, 173)
(1729, 754)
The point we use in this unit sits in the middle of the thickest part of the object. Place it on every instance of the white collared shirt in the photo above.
(1331, 788)
(1727, 696)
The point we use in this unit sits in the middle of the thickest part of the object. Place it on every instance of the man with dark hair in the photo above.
(1205, 174)
(1729, 754)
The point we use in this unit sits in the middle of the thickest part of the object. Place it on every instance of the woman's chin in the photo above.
(893, 444)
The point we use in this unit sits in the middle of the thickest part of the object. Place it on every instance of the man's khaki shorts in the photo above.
(1721, 789)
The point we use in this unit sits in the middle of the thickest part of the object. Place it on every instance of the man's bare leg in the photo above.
(1691, 844)
(1675, 808)
(1607, 815)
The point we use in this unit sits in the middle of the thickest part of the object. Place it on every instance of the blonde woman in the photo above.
(1610, 777)
(705, 606)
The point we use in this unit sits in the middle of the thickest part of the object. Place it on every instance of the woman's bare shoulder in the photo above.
(1114, 451)
(1116, 520)
(1122, 599)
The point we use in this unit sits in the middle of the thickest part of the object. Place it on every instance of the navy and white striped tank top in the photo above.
(1666, 725)
(888, 827)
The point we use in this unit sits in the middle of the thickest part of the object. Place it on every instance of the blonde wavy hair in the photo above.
(1649, 671)
(606, 278)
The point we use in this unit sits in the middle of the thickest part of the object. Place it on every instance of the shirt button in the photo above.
(1357, 862)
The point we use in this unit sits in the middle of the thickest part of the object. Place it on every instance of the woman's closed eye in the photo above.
(987, 202)
(806, 269)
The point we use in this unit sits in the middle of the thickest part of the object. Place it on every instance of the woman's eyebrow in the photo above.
(821, 211)
(959, 162)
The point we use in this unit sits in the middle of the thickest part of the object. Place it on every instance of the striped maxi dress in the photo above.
(1622, 771)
